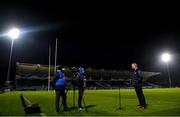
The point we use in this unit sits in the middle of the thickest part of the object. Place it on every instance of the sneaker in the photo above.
(81, 109)
(142, 107)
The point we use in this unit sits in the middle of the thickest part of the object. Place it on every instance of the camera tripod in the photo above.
(119, 98)
(120, 105)
(73, 83)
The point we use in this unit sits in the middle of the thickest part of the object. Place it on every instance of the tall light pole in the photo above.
(49, 73)
(166, 57)
(13, 34)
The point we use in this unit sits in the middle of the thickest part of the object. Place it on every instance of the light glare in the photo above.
(165, 57)
(14, 33)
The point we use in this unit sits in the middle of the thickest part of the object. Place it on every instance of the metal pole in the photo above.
(169, 75)
(49, 74)
(55, 57)
(9, 66)
(120, 97)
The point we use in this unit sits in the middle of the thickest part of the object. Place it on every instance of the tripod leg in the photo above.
(60, 106)
(74, 96)
(83, 100)
(120, 98)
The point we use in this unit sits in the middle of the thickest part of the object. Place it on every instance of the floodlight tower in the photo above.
(166, 57)
(12, 34)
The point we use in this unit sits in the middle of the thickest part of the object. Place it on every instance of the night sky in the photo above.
(96, 35)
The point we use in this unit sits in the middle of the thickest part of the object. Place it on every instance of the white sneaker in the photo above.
(81, 109)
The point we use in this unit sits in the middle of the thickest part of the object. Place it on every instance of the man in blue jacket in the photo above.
(60, 89)
(136, 81)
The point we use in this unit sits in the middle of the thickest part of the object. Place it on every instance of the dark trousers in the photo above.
(81, 92)
(140, 95)
(60, 92)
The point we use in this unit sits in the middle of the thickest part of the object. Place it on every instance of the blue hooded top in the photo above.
(60, 76)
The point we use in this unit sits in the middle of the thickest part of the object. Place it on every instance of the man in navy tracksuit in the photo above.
(136, 80)
(60, 89)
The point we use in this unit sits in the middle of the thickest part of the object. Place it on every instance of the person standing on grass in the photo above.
(81, 86)
(60, 89)
(136, 81)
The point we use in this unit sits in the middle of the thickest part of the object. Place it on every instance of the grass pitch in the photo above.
(161, 102)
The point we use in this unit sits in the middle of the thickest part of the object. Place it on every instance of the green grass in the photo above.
(161, 102)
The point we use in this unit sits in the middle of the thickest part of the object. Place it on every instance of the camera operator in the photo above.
(60, 89)
(81, 80)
